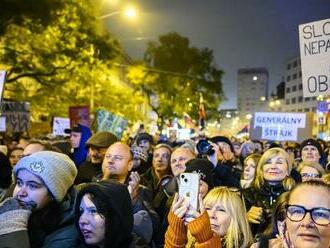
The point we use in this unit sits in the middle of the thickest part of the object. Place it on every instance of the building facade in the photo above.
(294, 100)
(252, 90)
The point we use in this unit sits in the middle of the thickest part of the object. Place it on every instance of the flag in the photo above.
(201, 111)
(245, 129)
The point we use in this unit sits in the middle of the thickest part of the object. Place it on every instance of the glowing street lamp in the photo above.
(129, 12)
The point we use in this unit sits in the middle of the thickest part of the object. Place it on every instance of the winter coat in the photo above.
(266, 198)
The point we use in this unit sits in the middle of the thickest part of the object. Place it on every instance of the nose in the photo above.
(307, 220)
(83, 220)
(212, 213)
(21, 193)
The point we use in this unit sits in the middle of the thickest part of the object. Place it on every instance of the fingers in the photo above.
(201, 204)
(135, 177)
(255, 215)
(180, 208)
(190, 215)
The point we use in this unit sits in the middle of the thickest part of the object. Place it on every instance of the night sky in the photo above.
(242, 33)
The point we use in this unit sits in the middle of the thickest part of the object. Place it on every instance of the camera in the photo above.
(204, 147)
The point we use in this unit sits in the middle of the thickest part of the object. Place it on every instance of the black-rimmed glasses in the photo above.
(320, 216)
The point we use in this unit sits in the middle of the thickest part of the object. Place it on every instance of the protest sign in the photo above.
(107, 121)
(2, 123)
(59, 125)
(79, 115)
(280, 126)
(2, 82)
(17, 115)
(314, 41)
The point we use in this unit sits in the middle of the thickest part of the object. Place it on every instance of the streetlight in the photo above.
(129, 12)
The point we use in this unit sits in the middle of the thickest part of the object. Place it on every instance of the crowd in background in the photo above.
(94, 190)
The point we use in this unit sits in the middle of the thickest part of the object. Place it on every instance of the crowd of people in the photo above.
(95, 190)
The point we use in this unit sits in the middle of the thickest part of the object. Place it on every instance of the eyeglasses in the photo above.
(320, 216)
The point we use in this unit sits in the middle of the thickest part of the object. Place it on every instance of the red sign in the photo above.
(79, 115)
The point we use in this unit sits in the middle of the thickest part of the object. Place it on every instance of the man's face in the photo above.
(310, 153)
(75, 139)
(179, 158)
(117, 161)
(161, 160)
(32, 148)
(96, 154)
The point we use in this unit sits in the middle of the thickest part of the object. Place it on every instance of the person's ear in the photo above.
(130, 165)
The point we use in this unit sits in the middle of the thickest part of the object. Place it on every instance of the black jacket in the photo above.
(266, 198)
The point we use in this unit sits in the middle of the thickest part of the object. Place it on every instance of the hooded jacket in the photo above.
(113, 201)
(80, 153)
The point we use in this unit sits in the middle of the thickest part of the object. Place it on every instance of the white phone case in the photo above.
(189, 188)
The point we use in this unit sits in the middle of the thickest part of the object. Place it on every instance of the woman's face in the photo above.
(30, 190)
(275, 169)
(249, 169)
(203, 188)
(309, 173)
(306, 233)
(91, 222)
(219, 217)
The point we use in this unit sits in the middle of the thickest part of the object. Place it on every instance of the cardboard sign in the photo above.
(107, 121)
(59, 125)
(2, 82)
(279, 126)
(314, 41)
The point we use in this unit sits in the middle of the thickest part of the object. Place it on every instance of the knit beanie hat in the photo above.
(57, 171)
(101, 140)
(144, 136)
(311, 142)
(203, 167)
(224, 139)
(140, 153)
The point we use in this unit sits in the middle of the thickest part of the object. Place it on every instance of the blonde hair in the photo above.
(255, 157)
(314, 165)
(326, 178)
(238, 233)
(259, 181)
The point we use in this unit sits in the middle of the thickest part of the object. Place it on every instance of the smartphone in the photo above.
(189, 188)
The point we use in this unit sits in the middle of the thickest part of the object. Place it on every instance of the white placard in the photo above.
(183, 134)
(314, 38)
(2, 123)
(59, 125)
(265, 119)
(2, 82)
(279, 133)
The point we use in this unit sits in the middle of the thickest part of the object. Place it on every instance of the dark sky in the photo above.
(242, 33)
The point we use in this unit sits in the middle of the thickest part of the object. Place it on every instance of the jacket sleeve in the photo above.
(15, 239)
(176, 234)
(66, 237)
(200, 228)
